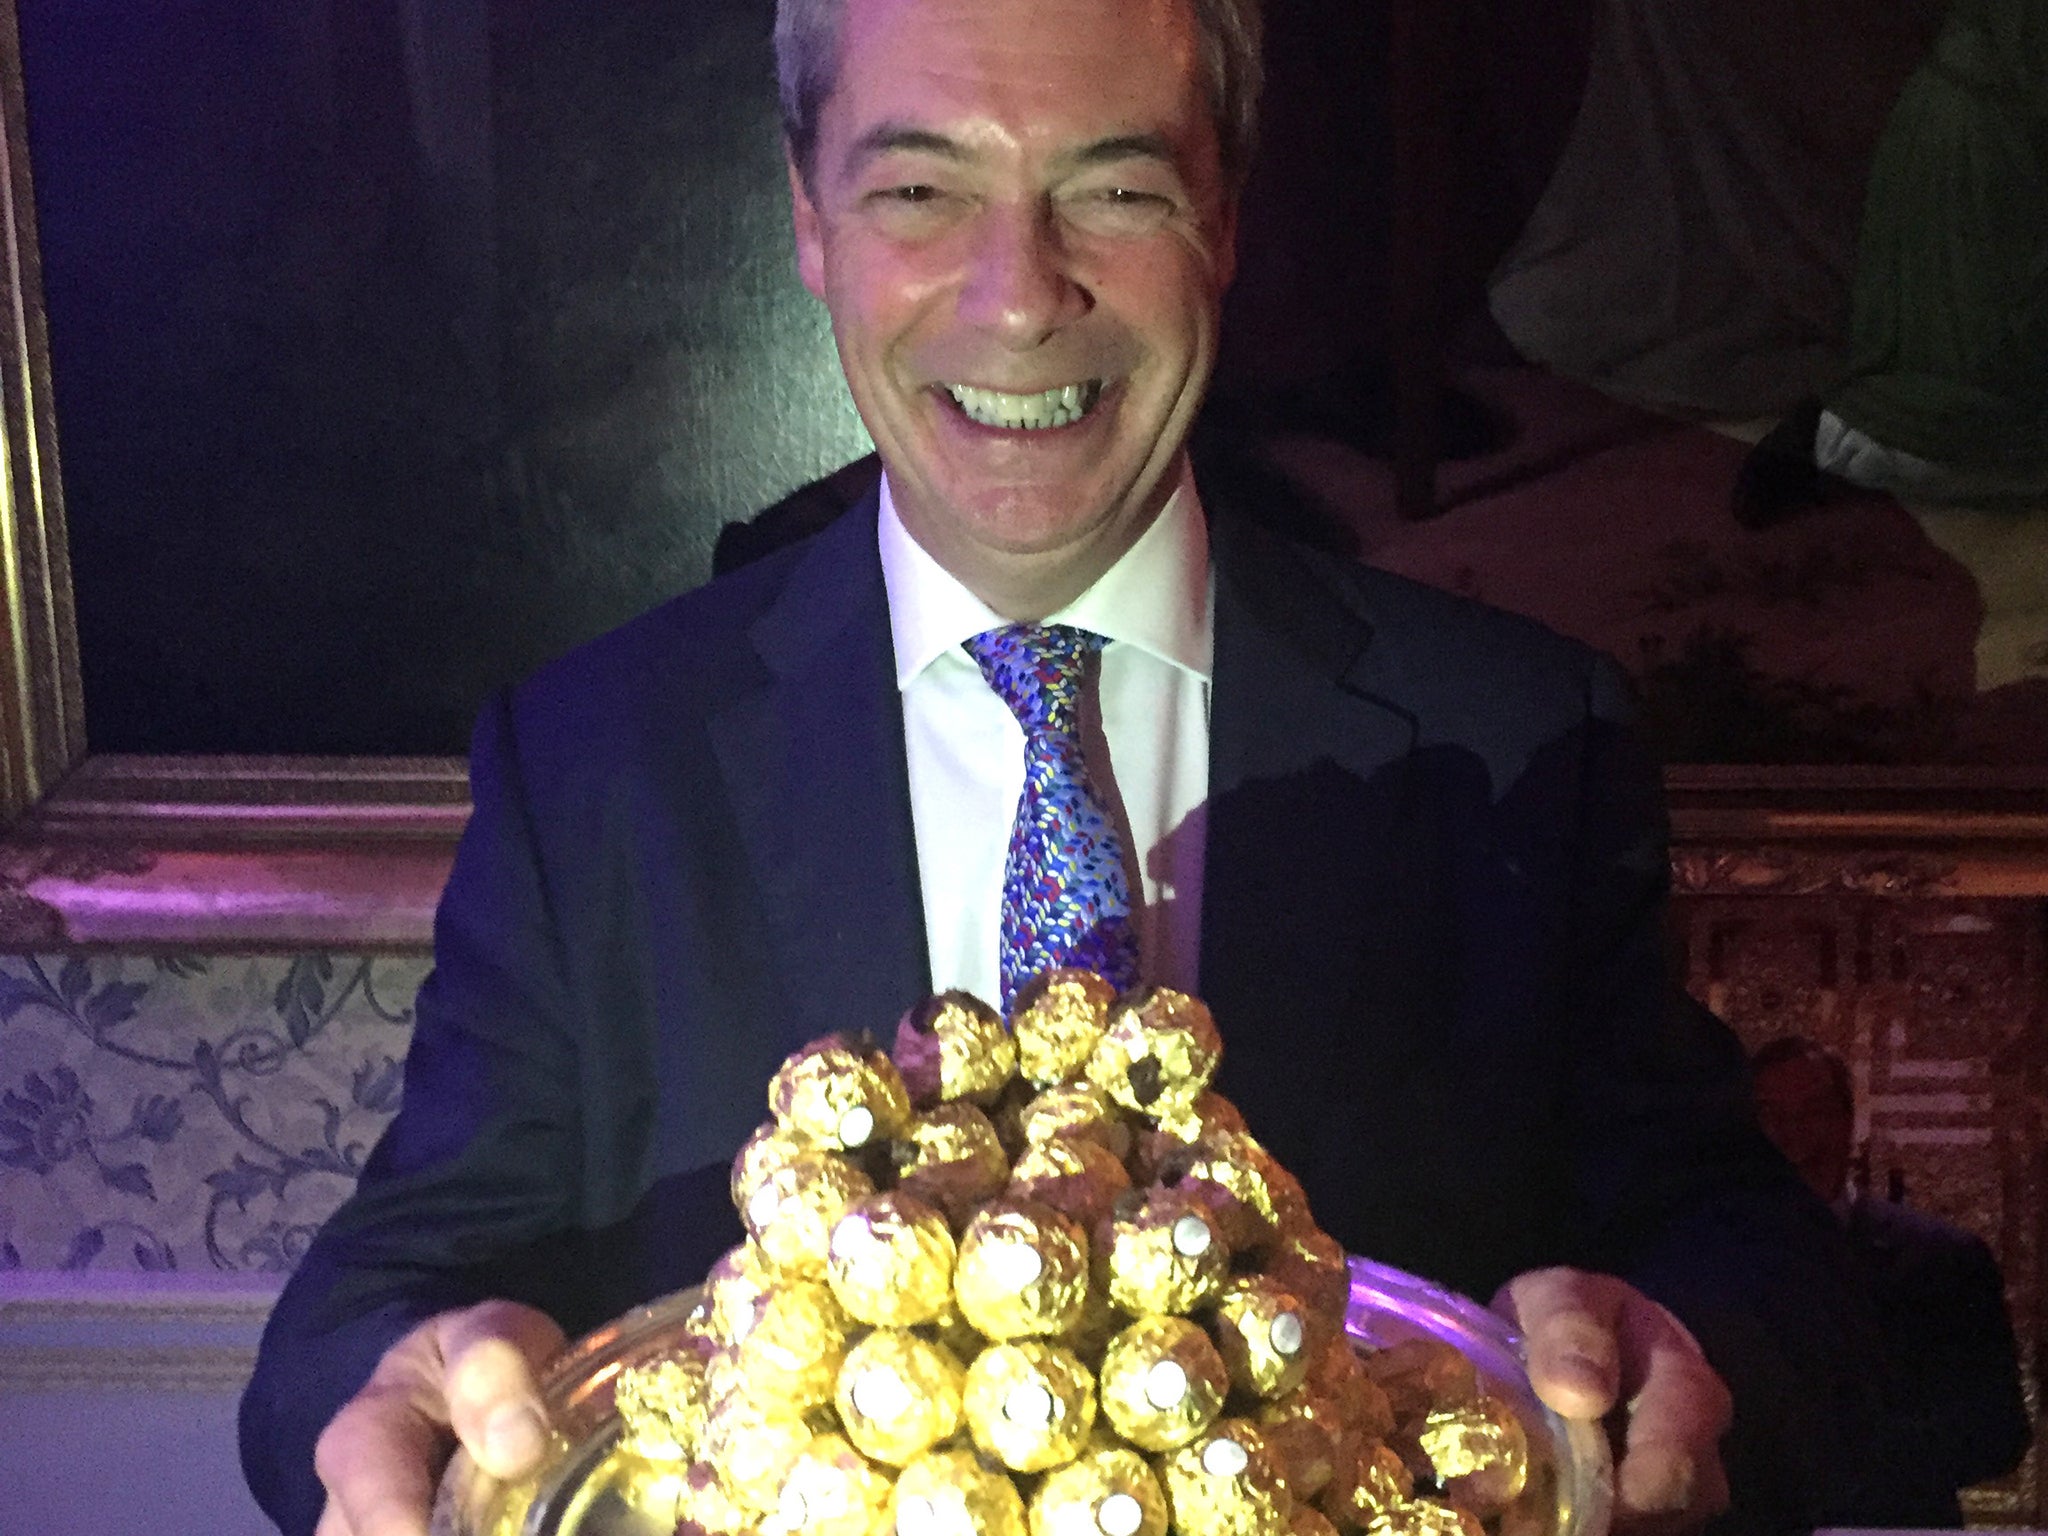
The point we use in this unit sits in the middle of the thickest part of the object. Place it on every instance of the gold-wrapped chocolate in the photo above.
(1159, 1252)
(831, 1491)
(1030, 1404)
(1427, 1517)
(954, 1046)
(1370, 1485)
(1310, 1263)
(1101, 1321)
(899, 1395)
(954, 1492)
(1226, 1483)
(663, 1403)
(1337, 1372)
(753, 1444)
(792, 1212)
(1076, 1177)
(1306, 1430)
(1307, 1520)
(951, 1158)
(1158, 1053)
(792, 1354)
(1076, 1111)
(890, 1261)
(1057, 1018)
(1262, 1332)
(1163, 1383)
(1479, 1452)
(1208, 1114)
(704, 1507)
(1022, 1272)
(772, 1146)
(840, 1095)
(734, 1293)
(1422, 1374)
(1254, 1199)
(1106, 1491)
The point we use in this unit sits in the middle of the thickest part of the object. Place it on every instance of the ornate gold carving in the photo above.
(1765, 871)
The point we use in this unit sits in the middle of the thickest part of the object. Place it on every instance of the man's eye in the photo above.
(913, 192)
(1121, 210)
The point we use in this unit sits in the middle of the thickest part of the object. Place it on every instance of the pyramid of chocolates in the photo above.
(1037, 1277)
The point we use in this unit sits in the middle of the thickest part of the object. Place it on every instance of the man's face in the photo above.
(1802, 1112)
(1017, 216)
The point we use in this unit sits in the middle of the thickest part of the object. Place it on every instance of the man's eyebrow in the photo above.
(1128, 146)
(901, 138)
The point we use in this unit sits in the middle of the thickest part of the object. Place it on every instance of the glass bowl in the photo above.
(589, 1485)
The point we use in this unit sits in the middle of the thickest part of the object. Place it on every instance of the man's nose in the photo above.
(1020, 285)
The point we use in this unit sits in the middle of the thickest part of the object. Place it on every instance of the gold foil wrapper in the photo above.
(1226, 1483)
(792, 1354)
(1263, 1334)
(1338, 1372)
(1104, 1492)
(772, 1146)
(954, 1492)
(663, 1404)
(1420, 1375)
(1371, 1485)
(1310, 1264)
(1480, 1453)
(954, 1046)
(1254, 1198)
(832, 1490)
(1208, 1114)
(735, 1292)
(1057, 1019)
(1030, 1405)
(1163, 1383)
(1307, 1432)
(1080, 1179)
(890, 1261)
(1076, 1111)
(1307, 1520)
(792, 1212)
(1161, 1254)
(1022, 1272)
(1158, 1054)
(899, 1395)
(838, 1095)
(704, 1507)
(1427, 1517)
(951, 1158)
(753, 1445)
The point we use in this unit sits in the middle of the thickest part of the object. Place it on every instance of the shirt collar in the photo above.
(1157, 597)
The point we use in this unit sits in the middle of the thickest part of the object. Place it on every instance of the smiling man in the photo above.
(1401, 844)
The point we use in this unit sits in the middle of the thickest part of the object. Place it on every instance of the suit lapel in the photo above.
(813, 760)
(1314, 852)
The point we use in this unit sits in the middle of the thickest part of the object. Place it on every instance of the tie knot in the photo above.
(1037, 669)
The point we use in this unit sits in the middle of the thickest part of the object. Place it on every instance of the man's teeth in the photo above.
(1050, 408)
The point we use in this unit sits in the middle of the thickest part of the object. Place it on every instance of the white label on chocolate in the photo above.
(1191, 1237)
(856, 1126)
(1015, 1264)
(1119, 1515)
(1286, 1333)
(1028, 1403)
(762, 1206)
(881, 1395)
(793, 1512)
(1224, 1458)
(849, 1237)
(1165, 1385)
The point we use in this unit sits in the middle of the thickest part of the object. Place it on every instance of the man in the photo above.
(1401, 845)
(1941, 1300)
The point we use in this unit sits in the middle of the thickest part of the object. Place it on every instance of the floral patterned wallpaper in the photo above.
(190, 1113)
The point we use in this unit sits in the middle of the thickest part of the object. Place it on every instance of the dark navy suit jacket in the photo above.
(1431, 936)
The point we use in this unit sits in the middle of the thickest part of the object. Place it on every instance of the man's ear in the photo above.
(810, 233)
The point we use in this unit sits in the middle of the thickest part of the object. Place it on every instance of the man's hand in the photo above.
(1596, 1343)
(467, 1376)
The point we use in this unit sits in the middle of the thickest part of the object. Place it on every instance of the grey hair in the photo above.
(807, 67)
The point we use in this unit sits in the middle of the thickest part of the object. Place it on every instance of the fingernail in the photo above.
(514, 1438)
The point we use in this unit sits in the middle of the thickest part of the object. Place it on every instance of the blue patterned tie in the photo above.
(1065, 898)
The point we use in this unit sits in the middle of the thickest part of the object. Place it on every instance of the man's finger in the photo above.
(1679, 1411)
(491, 1355)
(332, 1521)
(380, 1455)
(1570, 1322)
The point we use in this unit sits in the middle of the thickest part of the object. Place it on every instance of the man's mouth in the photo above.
(1060, 407)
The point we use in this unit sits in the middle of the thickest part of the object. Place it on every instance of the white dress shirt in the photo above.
(1146, 743)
